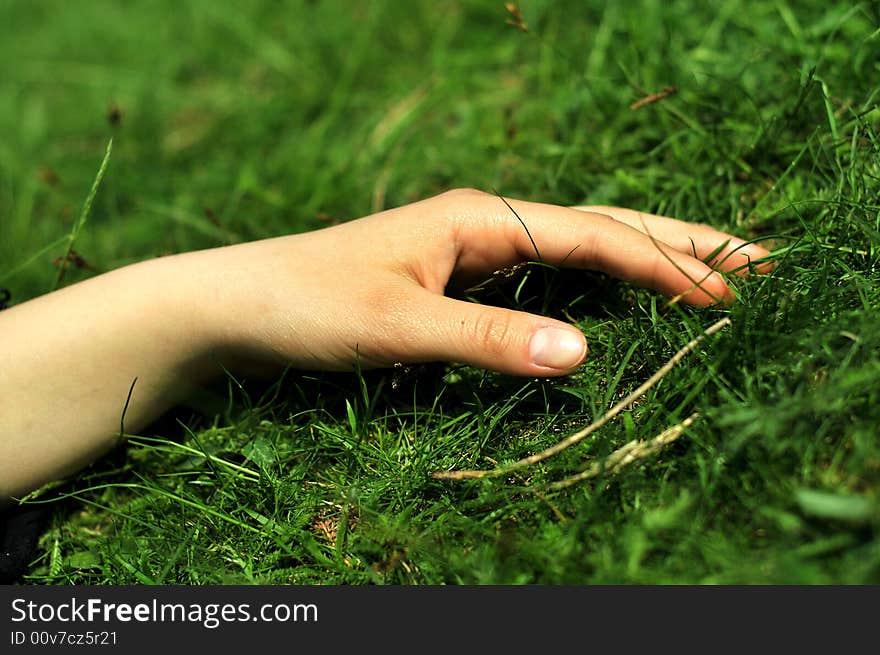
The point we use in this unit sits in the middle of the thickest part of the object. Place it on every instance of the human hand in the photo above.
(371, 291)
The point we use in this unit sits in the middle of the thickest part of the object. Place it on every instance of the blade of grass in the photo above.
(83, 215)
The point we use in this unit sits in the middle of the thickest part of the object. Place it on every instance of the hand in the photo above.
(368, 292)
(371, 290)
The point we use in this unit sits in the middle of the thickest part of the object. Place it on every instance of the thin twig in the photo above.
(626, 455)
(575, 438)
(654, 97)
(562, 517)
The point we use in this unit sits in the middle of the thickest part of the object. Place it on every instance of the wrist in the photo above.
(216, 307)
(173, 297)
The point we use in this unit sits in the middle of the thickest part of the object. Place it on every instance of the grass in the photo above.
(231, 124)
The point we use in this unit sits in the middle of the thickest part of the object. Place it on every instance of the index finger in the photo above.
(494, 232)
(725, 251)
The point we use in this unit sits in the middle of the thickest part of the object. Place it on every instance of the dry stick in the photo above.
(583, 434)
(626, 454)
(654, 97)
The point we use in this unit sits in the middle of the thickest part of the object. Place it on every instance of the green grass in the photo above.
(236, 124)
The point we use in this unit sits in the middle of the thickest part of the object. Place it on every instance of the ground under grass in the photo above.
(237, 123)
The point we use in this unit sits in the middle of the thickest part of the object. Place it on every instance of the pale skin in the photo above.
(369, 292)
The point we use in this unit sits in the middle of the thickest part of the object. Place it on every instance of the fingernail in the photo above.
(557, 348)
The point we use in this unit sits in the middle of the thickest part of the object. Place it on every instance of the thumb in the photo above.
(503, 340)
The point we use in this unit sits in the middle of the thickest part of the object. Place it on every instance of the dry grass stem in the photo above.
(627, 454)
(579, 436)
(654, 97)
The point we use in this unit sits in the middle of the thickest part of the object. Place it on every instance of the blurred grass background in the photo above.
(237, 121)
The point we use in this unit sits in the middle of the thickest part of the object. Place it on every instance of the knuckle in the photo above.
(491, 332)
(464, 192)
(599, 211)
(461, 209)
(600, 214)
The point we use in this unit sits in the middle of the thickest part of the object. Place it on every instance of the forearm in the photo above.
(69, 359)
